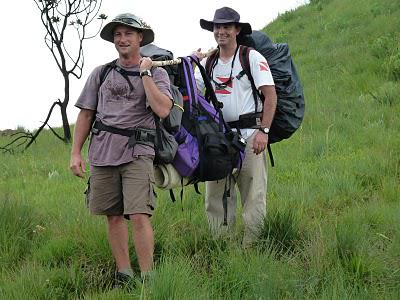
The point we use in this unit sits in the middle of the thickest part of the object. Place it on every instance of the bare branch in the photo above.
(63, 19)
(20, 138)
(55, 133)
(43, 125)
(98, 31)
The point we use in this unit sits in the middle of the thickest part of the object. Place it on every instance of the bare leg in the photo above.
(144, 241)
(118, 238)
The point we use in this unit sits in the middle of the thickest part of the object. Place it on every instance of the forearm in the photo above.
(159, 102)
(270, 100)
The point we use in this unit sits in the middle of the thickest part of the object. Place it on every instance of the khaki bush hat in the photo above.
(130, 20)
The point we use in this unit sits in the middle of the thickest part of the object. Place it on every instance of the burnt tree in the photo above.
(67, 19)
(66, 23)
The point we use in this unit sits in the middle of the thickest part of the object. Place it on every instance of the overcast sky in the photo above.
(31, 82)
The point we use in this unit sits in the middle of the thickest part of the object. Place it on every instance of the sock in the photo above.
(126, 271)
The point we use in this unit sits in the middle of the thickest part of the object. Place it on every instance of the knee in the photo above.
(139, 221)
(254, 215)
(115, 220)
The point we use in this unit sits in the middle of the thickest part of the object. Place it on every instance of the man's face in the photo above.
(126, 39)
(225, 34)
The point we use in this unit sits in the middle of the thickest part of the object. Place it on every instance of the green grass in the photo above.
(332, 230)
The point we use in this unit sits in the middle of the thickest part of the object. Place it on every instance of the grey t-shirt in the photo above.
(117, 106)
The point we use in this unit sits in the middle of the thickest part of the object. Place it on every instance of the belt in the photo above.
(251, 120)
(136, 134)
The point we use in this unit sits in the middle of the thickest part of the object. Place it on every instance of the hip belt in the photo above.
(250, 120)
(136, 135)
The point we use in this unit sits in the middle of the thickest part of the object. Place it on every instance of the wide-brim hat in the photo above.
(130, 20)
(225, 15)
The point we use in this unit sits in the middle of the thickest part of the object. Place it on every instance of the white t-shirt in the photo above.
(237, 96)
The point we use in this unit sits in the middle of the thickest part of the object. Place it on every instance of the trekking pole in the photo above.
(177, 61)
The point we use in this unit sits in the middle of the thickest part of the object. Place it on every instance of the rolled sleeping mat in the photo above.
(167, 177)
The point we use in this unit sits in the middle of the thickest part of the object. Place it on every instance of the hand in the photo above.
(77, 165)
(198, 54)
(145, 63)
(260, 142)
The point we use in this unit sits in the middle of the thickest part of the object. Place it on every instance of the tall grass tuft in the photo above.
(393, 65)
(252, 274)
(175, 278)
(20, 228)
(281, 232)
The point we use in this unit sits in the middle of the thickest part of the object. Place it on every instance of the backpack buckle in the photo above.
(242, 141)
(238, 141)
(145, 136)
(132, 141)
(95, 131)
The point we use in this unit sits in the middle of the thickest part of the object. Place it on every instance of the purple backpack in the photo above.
(208, 149)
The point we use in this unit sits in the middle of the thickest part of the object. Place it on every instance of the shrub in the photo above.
(287, 16)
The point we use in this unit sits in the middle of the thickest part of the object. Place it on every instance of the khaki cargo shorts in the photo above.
(122, 190)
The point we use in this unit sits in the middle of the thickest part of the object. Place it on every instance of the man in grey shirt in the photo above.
(120, 107)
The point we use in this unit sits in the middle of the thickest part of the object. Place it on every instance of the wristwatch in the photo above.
(264, 129)
(145, 73)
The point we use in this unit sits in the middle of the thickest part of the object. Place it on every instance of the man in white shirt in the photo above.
(236, 94)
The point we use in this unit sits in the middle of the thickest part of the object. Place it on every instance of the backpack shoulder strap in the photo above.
(112, 65)
(210, 63)
(244, 57)
(106, 70)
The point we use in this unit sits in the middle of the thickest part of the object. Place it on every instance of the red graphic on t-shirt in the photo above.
(264, 66)
(224, 89)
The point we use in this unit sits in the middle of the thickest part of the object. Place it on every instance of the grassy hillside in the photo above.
(332, 231)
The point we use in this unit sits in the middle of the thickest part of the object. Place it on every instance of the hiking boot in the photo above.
(123, 280)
